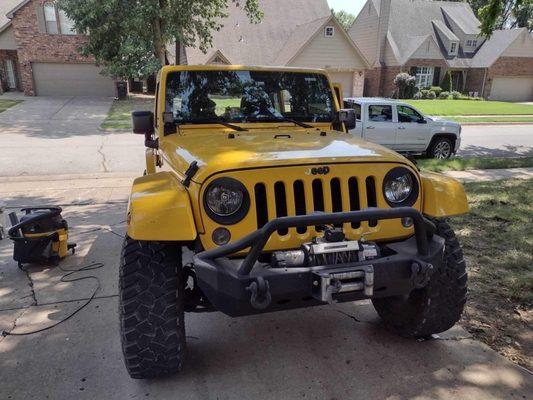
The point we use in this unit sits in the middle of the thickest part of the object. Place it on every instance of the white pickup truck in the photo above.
(403, 128)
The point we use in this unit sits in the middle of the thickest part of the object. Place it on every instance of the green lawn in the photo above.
(497, 241)
(511, 118)
(5, 104)
(470, 107)
(119, 116)
(462, 164)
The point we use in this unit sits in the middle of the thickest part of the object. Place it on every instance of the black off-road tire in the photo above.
(151, 308)
(440, 148)
(436, 307)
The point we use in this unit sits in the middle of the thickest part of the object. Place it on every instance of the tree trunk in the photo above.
(159, 46)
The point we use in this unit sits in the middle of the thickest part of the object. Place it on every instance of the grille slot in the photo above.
(281, 204)
(336, 196)
(261, 204)
(355, 205)
(371, 197)
(299, 202)
(318, 195)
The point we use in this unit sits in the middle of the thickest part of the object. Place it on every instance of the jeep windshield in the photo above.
(203, 97)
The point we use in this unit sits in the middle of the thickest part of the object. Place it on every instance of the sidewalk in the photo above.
(316, 353)
(485, 175)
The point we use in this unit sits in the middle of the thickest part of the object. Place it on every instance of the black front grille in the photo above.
(344, 195)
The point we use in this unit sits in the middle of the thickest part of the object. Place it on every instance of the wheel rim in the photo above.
(442, 150)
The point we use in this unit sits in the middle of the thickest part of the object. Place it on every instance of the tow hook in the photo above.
(420, 274)
(260, 289)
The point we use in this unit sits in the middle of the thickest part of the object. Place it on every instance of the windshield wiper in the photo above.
(302, 124)
(282, 119)
(219, 122)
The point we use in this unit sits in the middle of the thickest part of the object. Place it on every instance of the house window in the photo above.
(453, 47)
(469, 43)
(57, 21)
(474, 43)
(329, 31)
(424, 77)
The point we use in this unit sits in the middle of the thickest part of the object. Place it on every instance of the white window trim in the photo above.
(424, 77)
(327, 28)
(58, 18)
(453, 47)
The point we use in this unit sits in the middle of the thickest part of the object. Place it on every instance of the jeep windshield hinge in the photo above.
(191, 171)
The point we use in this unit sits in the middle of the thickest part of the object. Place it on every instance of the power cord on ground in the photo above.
(65, 278)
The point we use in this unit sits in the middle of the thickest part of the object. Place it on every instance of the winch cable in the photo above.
(65, 278)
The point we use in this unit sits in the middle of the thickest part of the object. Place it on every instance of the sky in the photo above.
(352, 6)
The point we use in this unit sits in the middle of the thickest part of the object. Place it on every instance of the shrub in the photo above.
(436, 89)
(431, 95)
(446, 83)
(418, 96)
(424, 93)
(443, 95)
(405, 85)
(456, 95)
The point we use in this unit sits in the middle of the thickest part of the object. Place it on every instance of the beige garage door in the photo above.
(345, 79)
(70, 80)
(512, 88)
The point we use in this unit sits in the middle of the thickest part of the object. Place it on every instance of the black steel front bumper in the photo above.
(245, 286)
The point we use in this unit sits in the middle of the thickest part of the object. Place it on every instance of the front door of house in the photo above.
(10, 74)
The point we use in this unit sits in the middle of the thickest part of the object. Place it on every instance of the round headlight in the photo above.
(226, 200)
(400, 187)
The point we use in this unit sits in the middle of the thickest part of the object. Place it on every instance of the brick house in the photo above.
(428, 38)
(299, 33)
(39, 53)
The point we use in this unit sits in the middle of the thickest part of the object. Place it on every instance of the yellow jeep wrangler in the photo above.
(256, 199)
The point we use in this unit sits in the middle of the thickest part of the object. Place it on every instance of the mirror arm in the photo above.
(150, 142)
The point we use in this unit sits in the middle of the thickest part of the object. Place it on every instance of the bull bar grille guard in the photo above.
(257, 240)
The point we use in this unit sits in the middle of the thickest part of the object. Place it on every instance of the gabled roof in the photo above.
(412, 22)
(304, 34)
(299, 38)
(7, 9)
(259, 44)
(492, 49)
(464, 17)
(444, 30)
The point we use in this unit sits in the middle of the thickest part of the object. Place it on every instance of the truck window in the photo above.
(380, 113)
(407, 114)
(354, 106)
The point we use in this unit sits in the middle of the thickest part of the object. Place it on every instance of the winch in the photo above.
(331, 249)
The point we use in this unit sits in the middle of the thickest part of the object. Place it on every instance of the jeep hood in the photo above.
(217, 151)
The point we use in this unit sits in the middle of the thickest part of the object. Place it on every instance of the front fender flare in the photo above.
(160, 209)
(443, 196)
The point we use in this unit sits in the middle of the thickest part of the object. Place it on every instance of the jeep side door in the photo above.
(380, 124)
(413, 130)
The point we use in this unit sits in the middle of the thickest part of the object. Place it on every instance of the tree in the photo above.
(129, 38)
(502, 14)
(344, 18)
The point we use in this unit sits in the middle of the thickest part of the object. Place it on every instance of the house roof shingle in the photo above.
(6, 6)
(494, 47)
(255, 44)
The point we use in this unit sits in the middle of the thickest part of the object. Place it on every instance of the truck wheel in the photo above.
(436, 307)
(441, 148)
(151, 308)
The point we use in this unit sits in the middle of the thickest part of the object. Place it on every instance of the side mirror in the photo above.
(143, 122)
(347, 116)
(422, 121)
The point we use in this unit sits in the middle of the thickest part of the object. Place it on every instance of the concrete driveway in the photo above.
(339, 352)
(54, 135)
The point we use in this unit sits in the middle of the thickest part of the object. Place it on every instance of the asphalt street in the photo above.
(61, 136)
(329, 352)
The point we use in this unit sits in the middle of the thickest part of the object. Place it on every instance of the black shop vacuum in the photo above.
(40, 236)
